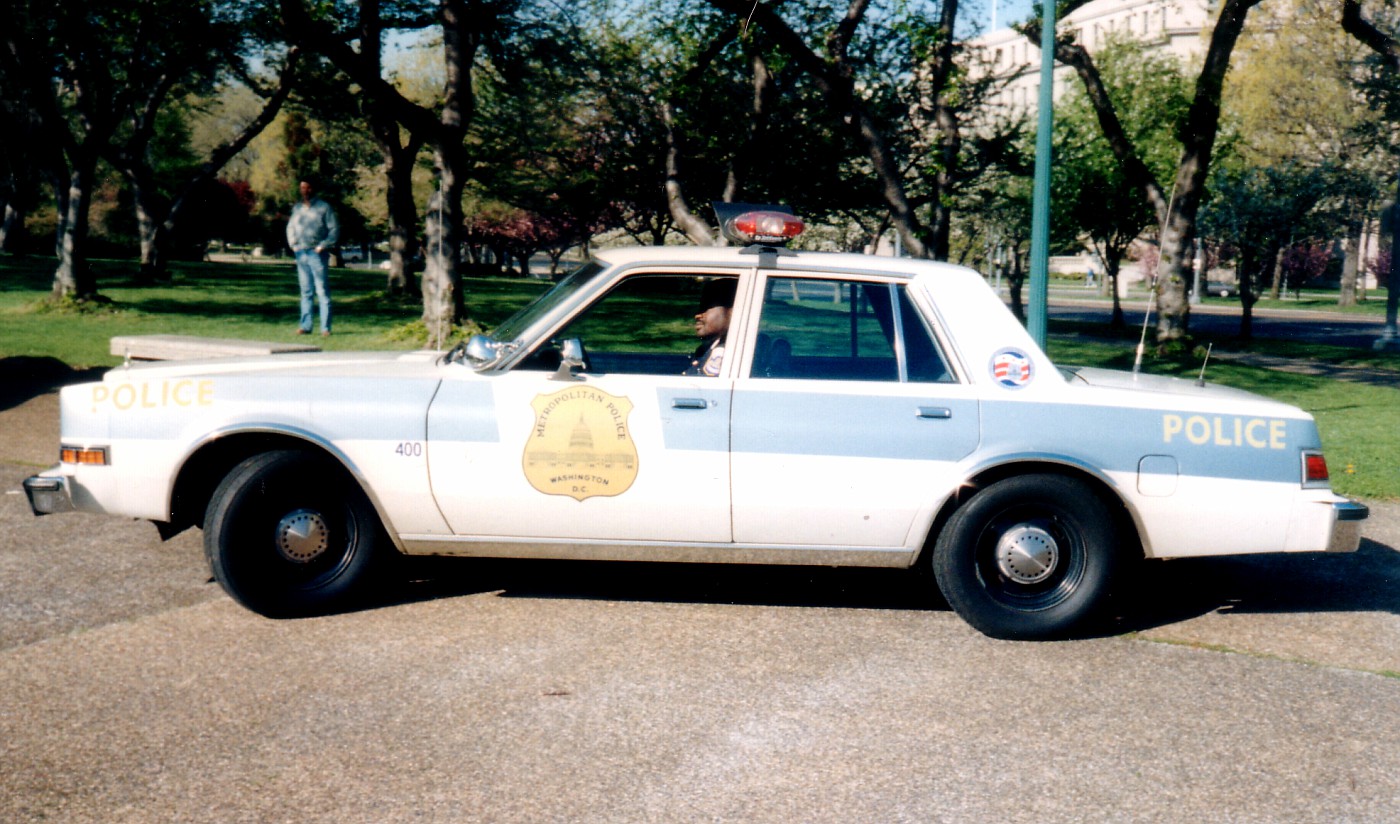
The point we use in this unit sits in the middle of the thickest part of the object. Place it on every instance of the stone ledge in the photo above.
(189, 347)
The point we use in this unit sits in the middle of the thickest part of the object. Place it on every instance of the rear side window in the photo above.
(924, 359)
(845, 330)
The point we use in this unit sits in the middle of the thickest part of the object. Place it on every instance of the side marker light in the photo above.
(84, 456)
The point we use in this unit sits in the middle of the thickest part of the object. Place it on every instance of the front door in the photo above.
(630, 450)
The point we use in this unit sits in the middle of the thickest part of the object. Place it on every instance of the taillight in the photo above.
(1314, 469)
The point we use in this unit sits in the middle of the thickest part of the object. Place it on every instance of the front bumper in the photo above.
(48, 493)
(1346, 529)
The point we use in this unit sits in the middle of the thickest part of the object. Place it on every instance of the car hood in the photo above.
(314, 364)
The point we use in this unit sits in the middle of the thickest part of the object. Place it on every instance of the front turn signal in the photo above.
(83, 455)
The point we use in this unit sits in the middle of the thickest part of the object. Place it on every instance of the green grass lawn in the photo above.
(254, 301)
(1360, 424)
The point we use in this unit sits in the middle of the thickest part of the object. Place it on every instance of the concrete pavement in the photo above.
(1240, 689)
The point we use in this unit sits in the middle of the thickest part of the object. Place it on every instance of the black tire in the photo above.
(1030, 557)
(289, 533)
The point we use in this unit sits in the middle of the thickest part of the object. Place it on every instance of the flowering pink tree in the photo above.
(1304, 262)
(1380, 268)
(519, 235)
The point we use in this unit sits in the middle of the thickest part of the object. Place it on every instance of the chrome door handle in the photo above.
(690, 403)
(935, 412)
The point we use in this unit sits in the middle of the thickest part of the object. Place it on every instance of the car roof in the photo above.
(788, 259)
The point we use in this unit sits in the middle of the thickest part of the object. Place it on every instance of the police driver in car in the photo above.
(712, 326)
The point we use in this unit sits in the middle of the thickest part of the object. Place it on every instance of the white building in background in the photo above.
(1176, 27)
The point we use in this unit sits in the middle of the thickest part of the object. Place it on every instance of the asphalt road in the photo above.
(131, 689)
(1220, 321)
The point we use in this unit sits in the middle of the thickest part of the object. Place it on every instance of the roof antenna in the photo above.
(1152, 295)
(1201, 379)
(1142, 341)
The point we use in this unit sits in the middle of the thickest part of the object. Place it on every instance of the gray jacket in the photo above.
(312, 225)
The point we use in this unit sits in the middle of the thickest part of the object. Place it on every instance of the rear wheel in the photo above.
(288, 533)
(1030, 557)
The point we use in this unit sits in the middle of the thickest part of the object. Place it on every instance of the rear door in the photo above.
(848, 420)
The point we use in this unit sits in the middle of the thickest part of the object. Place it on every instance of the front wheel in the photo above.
(1029, 557)
(288, 533)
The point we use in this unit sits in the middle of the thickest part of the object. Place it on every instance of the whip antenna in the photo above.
(1152, 293)
(1201, 379)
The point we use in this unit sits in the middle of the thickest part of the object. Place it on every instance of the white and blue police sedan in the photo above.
(849, 411)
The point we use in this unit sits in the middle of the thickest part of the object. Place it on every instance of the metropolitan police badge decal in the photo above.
(580, 445)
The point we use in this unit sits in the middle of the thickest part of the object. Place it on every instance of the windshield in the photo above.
(515, 325)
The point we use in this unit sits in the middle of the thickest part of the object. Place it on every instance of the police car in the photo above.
(860, 411)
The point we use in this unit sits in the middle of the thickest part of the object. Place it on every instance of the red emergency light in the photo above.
(764, 227)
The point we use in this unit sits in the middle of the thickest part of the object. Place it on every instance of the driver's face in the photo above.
(712, 321)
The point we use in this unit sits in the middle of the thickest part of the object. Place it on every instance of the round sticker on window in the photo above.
(1012, 368)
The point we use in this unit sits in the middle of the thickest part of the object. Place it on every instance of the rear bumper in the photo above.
(48, 493)
(1346, 527)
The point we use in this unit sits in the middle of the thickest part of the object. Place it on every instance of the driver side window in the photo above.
(644, 325)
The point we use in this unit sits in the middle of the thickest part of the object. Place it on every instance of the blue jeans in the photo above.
(312, 275)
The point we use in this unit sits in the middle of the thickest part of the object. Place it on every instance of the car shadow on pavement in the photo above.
(740, 584)
(23, 378)
(1166, 592)
(1161, 593)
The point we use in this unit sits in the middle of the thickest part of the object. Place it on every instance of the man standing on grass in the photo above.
(311, 232)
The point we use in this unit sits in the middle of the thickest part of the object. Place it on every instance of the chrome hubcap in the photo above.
(302, 536)
(1027, 554)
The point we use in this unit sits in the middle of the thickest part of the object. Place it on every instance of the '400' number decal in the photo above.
(409, 449)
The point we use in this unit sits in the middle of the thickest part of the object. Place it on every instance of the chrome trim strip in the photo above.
(893, 557)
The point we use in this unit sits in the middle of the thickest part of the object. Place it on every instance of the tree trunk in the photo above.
(1350, 268)
(439, 287)
(61, 191)
(1174, 271)
(1276, 285)
(1112, 264)
(10, 225)
(750, 151)
(1015, 280)
(402, 212)
(697, 230)
(948, 143)
(153, 241)
(73, 278)
(443, 301)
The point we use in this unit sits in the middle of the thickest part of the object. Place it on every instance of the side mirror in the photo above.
(571, 357)
(482, 351)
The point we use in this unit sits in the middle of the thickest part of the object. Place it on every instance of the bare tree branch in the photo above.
(1366, 32)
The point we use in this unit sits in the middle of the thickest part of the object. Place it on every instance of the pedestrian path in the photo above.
(1375, 376)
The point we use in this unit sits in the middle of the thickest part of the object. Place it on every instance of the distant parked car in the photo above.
(1221, 289)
